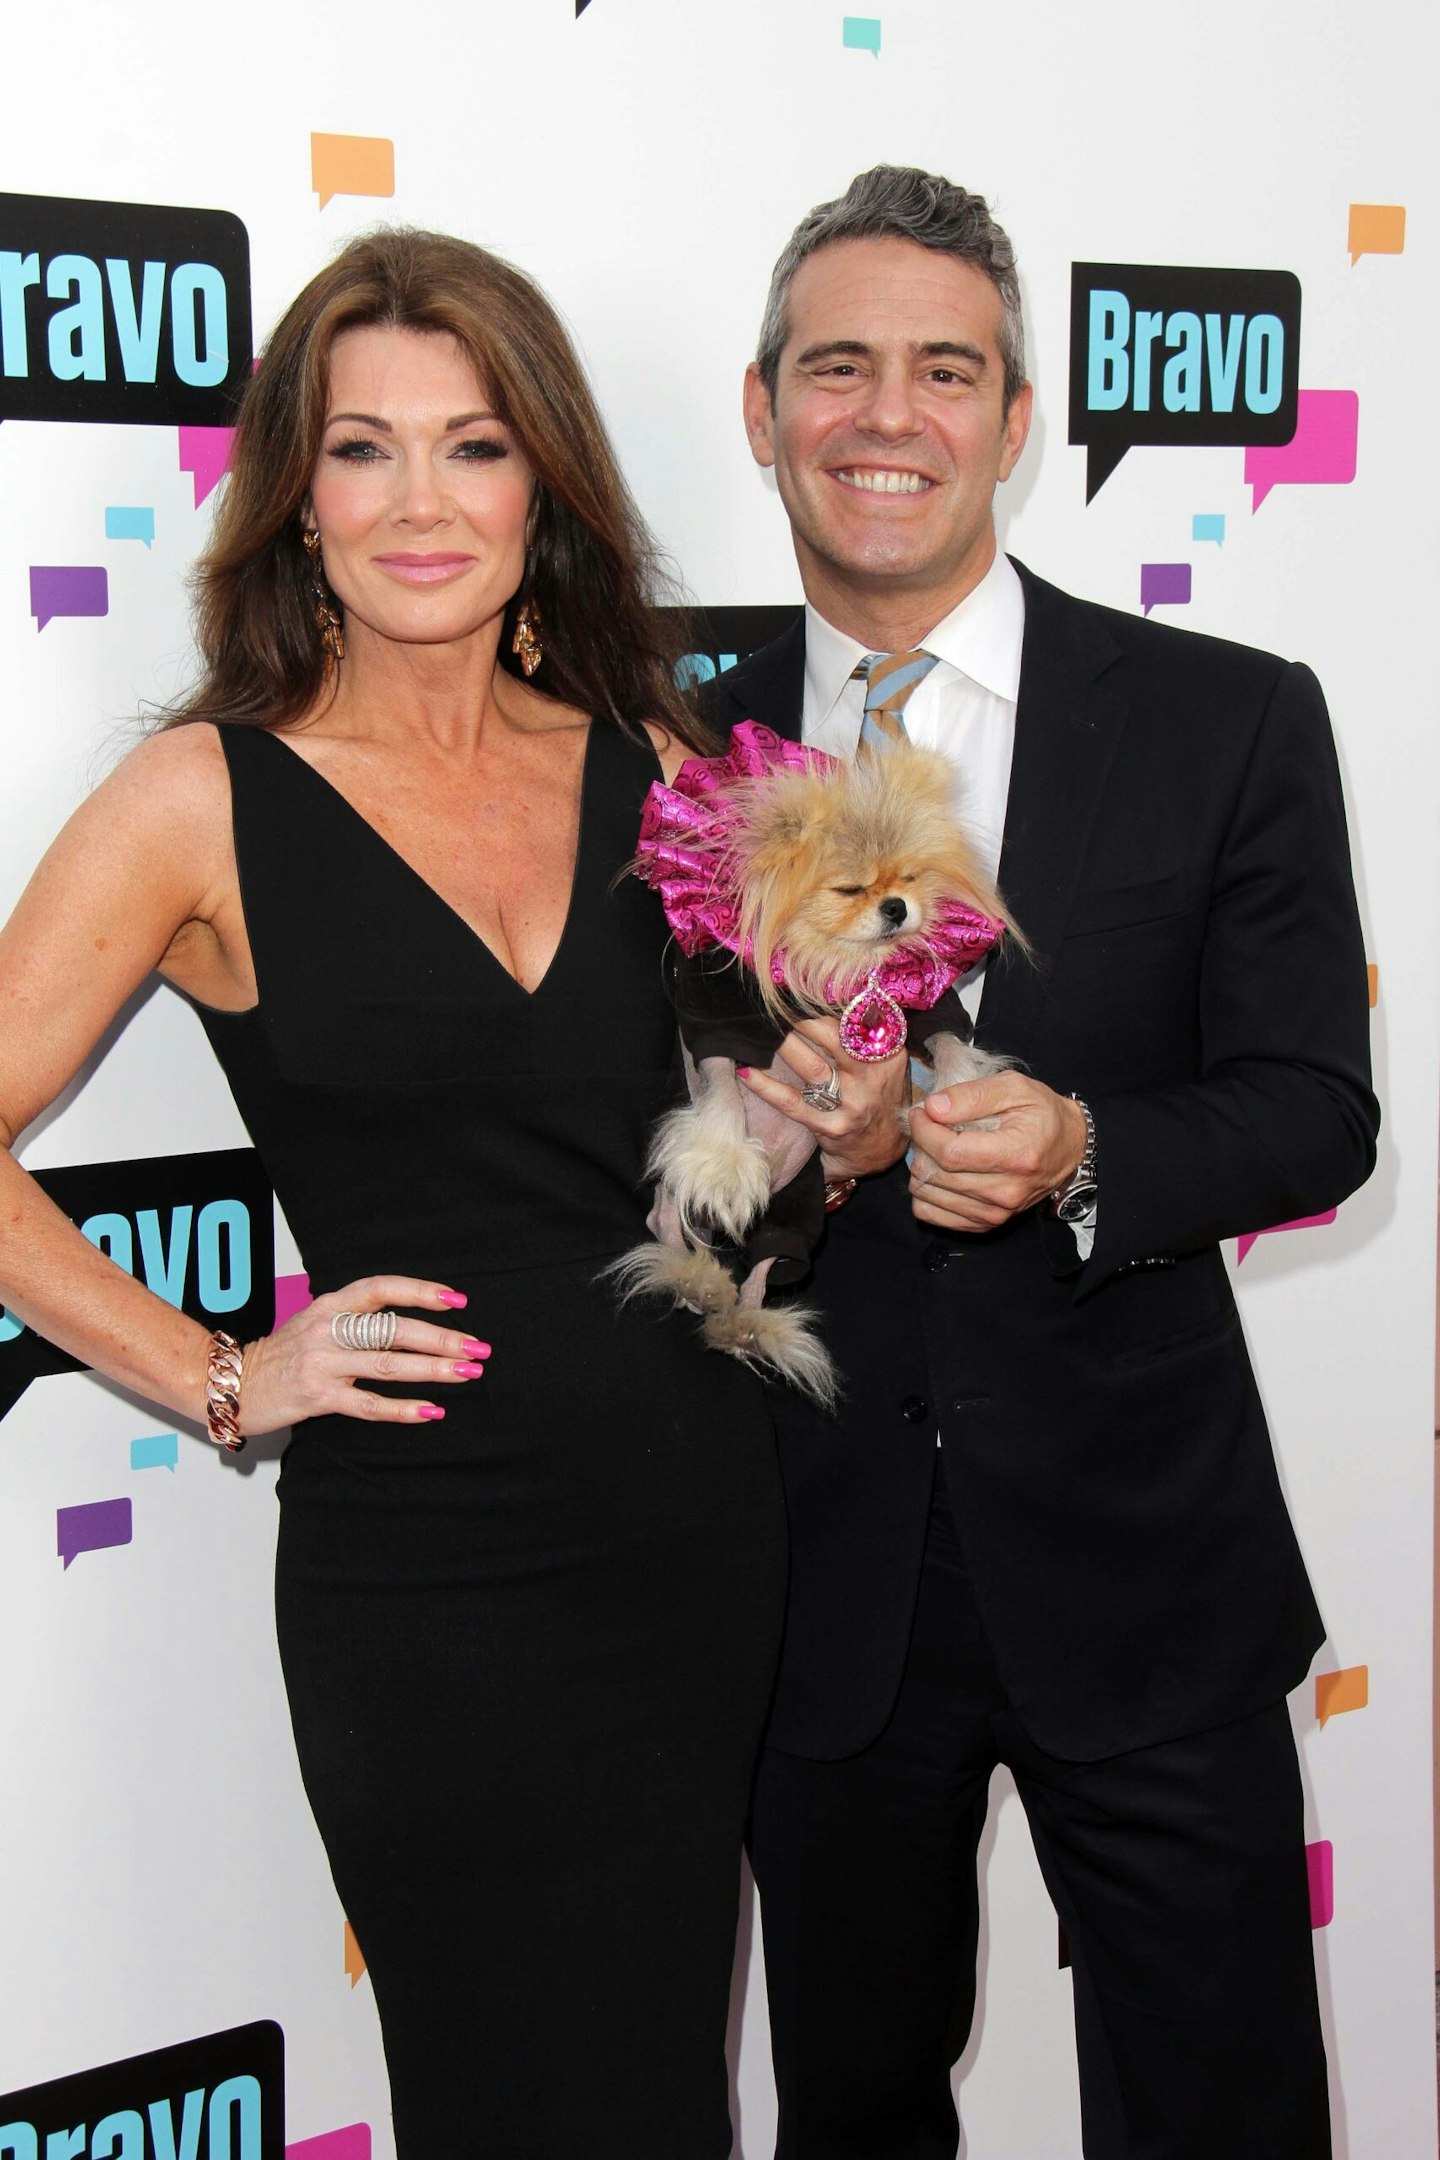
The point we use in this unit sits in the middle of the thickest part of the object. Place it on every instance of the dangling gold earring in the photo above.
(526, 641)
(327, 622)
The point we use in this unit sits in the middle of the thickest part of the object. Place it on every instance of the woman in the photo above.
(527, 1623)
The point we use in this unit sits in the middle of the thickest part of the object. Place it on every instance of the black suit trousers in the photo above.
(1178, 1872)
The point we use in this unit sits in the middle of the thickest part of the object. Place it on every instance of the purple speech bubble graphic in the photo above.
(1320, 453)
(1302, 1222)
(1164, 584)
(67, 589)
(205, 455)
(91, 1527)
(351, 2143)
(1320, 1867)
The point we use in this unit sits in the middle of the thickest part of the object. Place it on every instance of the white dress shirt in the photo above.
(964, 707)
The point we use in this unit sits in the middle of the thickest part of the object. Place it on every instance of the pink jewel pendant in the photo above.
(872, 1025)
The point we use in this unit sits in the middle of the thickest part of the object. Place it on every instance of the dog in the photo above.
(795, 884)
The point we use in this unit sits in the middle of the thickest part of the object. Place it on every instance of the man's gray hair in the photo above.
(898, 202)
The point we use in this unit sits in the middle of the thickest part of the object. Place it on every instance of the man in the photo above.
(1093, 1578)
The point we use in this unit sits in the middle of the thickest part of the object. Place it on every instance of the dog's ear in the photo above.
(783, 828)
(774, 817)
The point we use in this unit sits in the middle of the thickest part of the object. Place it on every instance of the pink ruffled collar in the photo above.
(685, 854)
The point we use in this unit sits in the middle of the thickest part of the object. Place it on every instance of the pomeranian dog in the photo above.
(795, 884)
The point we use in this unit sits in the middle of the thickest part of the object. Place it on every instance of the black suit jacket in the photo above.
(1175, 851)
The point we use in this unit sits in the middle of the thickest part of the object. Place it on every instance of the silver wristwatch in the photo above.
(1073, 1200)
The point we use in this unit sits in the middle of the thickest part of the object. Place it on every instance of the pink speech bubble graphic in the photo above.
(352, 2143)
(91, 1527)
(292, 1295)
(1321, 452)
(1301, 1222)
(205, 453)
(1164, 584)
(67, 589)
(1320, 1867)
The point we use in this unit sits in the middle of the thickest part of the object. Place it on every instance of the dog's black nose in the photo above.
(893, 911)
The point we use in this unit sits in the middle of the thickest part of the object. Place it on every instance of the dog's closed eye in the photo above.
(848, 892)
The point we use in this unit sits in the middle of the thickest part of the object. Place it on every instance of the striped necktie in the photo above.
(889, 680)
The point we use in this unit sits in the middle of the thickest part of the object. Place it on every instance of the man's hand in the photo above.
(866, 1133)
(978, 1180)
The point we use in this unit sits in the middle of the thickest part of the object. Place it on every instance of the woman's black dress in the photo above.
(528, 1649)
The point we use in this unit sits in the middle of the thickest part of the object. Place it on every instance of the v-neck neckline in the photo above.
(468, 928)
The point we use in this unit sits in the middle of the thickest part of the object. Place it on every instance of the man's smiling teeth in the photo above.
(886, 483)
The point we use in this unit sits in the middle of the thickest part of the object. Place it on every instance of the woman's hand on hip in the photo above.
(303, 1370)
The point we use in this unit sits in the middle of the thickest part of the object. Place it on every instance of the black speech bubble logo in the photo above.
(231, 2084)
(122, 311)
(716, 638)
(1160, 354)
(198, 1229)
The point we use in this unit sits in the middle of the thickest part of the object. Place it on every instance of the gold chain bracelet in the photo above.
(223, 1367)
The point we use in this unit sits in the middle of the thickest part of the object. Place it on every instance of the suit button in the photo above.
(935, 1257)
(915, 1408)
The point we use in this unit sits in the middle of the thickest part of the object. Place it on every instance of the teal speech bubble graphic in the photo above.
(155, 1451)
(1208, 525)
(862, 33)
(125, 523)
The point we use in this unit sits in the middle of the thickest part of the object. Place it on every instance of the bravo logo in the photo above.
(218, 2098)
(121, 311)
(1165, 355)
(198, 1230)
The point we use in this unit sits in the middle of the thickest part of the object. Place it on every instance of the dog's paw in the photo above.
(694, 1280)
(780, 1340)
(718, 1179)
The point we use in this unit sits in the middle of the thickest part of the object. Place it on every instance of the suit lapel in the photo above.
(1068, 725)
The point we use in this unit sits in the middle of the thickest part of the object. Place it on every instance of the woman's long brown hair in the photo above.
(592, 569)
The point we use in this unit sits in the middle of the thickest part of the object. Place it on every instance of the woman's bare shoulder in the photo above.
(172, 787)
(178, 765)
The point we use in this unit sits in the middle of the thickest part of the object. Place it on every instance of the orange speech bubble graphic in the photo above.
(1376, 229)
(1348, 1689)
(354, 1957)
(1372, 976)
(351, 165)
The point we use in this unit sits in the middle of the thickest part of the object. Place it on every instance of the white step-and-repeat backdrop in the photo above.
(161, 1884)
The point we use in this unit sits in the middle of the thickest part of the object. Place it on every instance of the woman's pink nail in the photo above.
(430, 1410)
(468, 1372)
(743, 1071)
(475, 1349)
(453, 1298)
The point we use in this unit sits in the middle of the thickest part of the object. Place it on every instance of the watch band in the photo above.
(1073, 1200)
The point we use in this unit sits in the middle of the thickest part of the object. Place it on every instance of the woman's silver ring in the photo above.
(823, 1094)
(364, 1331)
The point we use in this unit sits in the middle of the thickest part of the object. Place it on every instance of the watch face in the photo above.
(1078, 1202)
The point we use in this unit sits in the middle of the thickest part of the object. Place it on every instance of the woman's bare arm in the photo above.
(141, 878)
(111, 897)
